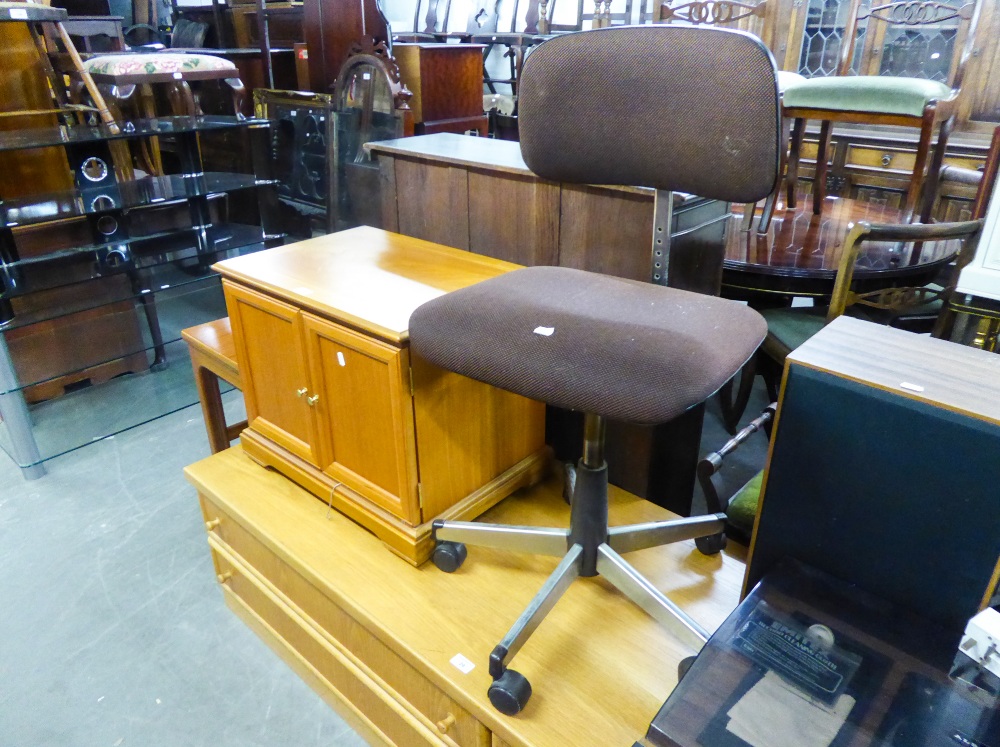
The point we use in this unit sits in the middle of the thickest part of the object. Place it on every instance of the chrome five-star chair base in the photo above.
(588, 548)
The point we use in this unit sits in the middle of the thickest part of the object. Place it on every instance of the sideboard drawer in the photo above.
(287, 600)
(420, 715)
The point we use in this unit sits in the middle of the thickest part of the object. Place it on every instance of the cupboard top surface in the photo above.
(957, 378)
(459, 150)
(364, 277)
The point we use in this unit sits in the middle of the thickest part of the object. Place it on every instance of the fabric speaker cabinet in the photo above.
(885, 469)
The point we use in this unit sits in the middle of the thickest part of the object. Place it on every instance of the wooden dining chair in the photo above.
(866, 89)
(739, 505)
(933, 315)
(787, 328)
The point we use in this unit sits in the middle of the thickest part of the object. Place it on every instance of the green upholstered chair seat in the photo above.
(742, 509)
(171, 64)
(787, 328)
(865, 93)
(787, 78)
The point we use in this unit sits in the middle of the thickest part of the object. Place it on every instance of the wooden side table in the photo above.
(213, 358)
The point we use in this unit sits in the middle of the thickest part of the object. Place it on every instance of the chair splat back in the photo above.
(662, 118)
(911, 16)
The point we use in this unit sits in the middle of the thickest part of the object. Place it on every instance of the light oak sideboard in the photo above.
(336, 401)
(376, 637)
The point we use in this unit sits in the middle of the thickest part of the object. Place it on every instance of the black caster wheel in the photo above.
(449, 556)
(712, 544)
(683, 666)
(510, 692)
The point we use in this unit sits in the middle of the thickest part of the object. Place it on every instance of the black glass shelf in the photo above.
(136, 260)
(85, 414)
(147, 191)
(176, 308)
(163, 282)
(83, 134)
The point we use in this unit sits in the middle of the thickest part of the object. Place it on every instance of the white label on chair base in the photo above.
(462, 664)
(911, 387)
(19, 14)
(547, 331)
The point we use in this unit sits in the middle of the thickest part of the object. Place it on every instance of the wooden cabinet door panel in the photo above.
(368, 437)
(268, 337)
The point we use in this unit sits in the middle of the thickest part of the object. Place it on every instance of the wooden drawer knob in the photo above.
(211, 524)
(223, 577)
(446, 723)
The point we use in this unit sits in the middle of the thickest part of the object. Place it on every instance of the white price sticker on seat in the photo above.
(545, 331)
(462, 664)
(19, 13)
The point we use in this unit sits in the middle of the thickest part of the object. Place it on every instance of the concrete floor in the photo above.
(113, 631)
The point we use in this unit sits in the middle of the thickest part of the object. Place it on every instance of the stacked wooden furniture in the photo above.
(447, 85)
(376, 637)
(336, 402)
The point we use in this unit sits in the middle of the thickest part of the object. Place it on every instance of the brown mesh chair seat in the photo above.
(583, 341)
(628, 105)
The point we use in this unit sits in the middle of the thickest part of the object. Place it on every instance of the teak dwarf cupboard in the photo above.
(336, 402)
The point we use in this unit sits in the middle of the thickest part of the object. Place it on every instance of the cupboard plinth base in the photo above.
(412, 543)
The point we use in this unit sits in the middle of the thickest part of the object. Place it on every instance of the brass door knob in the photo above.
(211, 524)
(446, 723)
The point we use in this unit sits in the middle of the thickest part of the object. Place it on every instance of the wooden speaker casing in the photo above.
(884, 469)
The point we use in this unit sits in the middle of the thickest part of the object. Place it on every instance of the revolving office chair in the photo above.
(692, 109)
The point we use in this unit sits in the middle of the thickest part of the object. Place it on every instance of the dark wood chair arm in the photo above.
(914, 231)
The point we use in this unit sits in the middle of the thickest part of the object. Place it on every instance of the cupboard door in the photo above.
(367, 438)
(268, 338)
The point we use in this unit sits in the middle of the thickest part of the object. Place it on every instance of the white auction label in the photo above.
(462, 664)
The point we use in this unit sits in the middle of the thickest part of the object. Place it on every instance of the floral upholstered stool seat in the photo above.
(127, 72)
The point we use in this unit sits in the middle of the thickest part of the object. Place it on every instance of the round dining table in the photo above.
(800, 253)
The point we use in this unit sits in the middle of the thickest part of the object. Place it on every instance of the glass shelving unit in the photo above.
(90, 340)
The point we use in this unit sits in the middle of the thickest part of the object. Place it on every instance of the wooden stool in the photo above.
(213, 357)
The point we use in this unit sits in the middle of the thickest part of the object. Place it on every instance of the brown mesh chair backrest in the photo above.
(670, 107)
